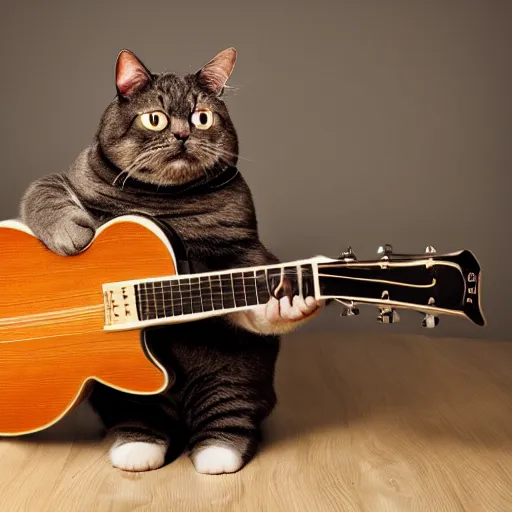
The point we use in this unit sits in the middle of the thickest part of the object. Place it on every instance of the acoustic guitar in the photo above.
(66, 322)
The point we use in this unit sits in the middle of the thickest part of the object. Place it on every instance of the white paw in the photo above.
(138, 456)
(277, 311)
(215, 460)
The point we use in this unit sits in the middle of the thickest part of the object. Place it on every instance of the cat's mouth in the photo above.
(174, 165)
(182, 153)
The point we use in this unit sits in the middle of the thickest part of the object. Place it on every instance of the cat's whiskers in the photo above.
(223, 151)
(124, 181)
(117, 177)
(216, 152)
(140, 161)
(215, 156)
(206, 151)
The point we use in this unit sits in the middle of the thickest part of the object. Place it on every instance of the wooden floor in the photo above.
(365, 423)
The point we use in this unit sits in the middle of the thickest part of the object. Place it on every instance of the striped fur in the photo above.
(225, 373)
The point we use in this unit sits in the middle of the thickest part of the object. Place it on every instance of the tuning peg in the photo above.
(388, 316)
(430, 250)
(385, 250)
(348, 255)
(430, 321)
(350, 311)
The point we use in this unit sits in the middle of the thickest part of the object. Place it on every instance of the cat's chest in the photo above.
(210, 232)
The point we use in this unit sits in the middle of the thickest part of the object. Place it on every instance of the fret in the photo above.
(290, 273)
(185, 294)
(170, 301)
(278, 288)
(233, 289)
(153, 304)
(160, 299)
(177, 298)
(144, 301)
(166, 299)
(199, 292)
(195, 296)
(238, 289)
(291, 276)
(227, 291)
(224, 291)
(138, 300)
(206, 293)
(262, 287)
(221, 293)
(256, 287)
(148, 302)
(250, 288)
(267, 279)
(243, 285)
(308, 287)
(216, 289)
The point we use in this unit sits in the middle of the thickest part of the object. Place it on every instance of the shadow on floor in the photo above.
(437, 389)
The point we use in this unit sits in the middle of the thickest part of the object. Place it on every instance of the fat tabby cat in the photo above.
(167, 148)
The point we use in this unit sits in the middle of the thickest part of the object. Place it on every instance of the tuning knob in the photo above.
(350, 311)
(430, 321)
(348, 255)
(385, 250)
(388, 316)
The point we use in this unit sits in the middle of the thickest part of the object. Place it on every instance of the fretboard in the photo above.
(220, 291)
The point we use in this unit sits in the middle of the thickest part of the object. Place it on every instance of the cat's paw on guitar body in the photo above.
(70, 233)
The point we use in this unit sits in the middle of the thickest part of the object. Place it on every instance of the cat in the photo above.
(163, 148)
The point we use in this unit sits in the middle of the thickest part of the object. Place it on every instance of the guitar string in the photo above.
(395, 283)
(72, 315)
(188, 292)
(37, 319)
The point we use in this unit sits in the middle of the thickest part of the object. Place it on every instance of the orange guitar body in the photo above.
(67, 321)
(52, 337)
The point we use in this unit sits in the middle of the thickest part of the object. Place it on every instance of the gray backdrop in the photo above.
(362, 122)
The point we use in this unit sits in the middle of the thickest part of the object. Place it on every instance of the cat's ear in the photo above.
(131, 74)
(214, 75)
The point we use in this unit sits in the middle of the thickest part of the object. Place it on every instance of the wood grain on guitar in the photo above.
(66, 321)
(52, 317)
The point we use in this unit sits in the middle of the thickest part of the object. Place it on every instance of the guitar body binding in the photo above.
(52, 339)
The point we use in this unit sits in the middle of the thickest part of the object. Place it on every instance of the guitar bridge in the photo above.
(120, 305)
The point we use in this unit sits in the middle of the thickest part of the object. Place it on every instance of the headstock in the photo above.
(433, 284)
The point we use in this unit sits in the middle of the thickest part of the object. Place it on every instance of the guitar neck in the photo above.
(440, 284)
(136, 304)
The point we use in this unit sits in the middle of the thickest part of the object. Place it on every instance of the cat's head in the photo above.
(166, 129)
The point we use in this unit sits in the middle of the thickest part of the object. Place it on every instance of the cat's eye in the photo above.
(155, 121)
(202, 119)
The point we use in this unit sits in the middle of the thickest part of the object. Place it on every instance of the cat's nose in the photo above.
(182, 135)
(180, 128)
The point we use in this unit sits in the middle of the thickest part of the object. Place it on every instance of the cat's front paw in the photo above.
(138, 456)
(278, 316)
(69, 234)
(284, 311)
(216, 460)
